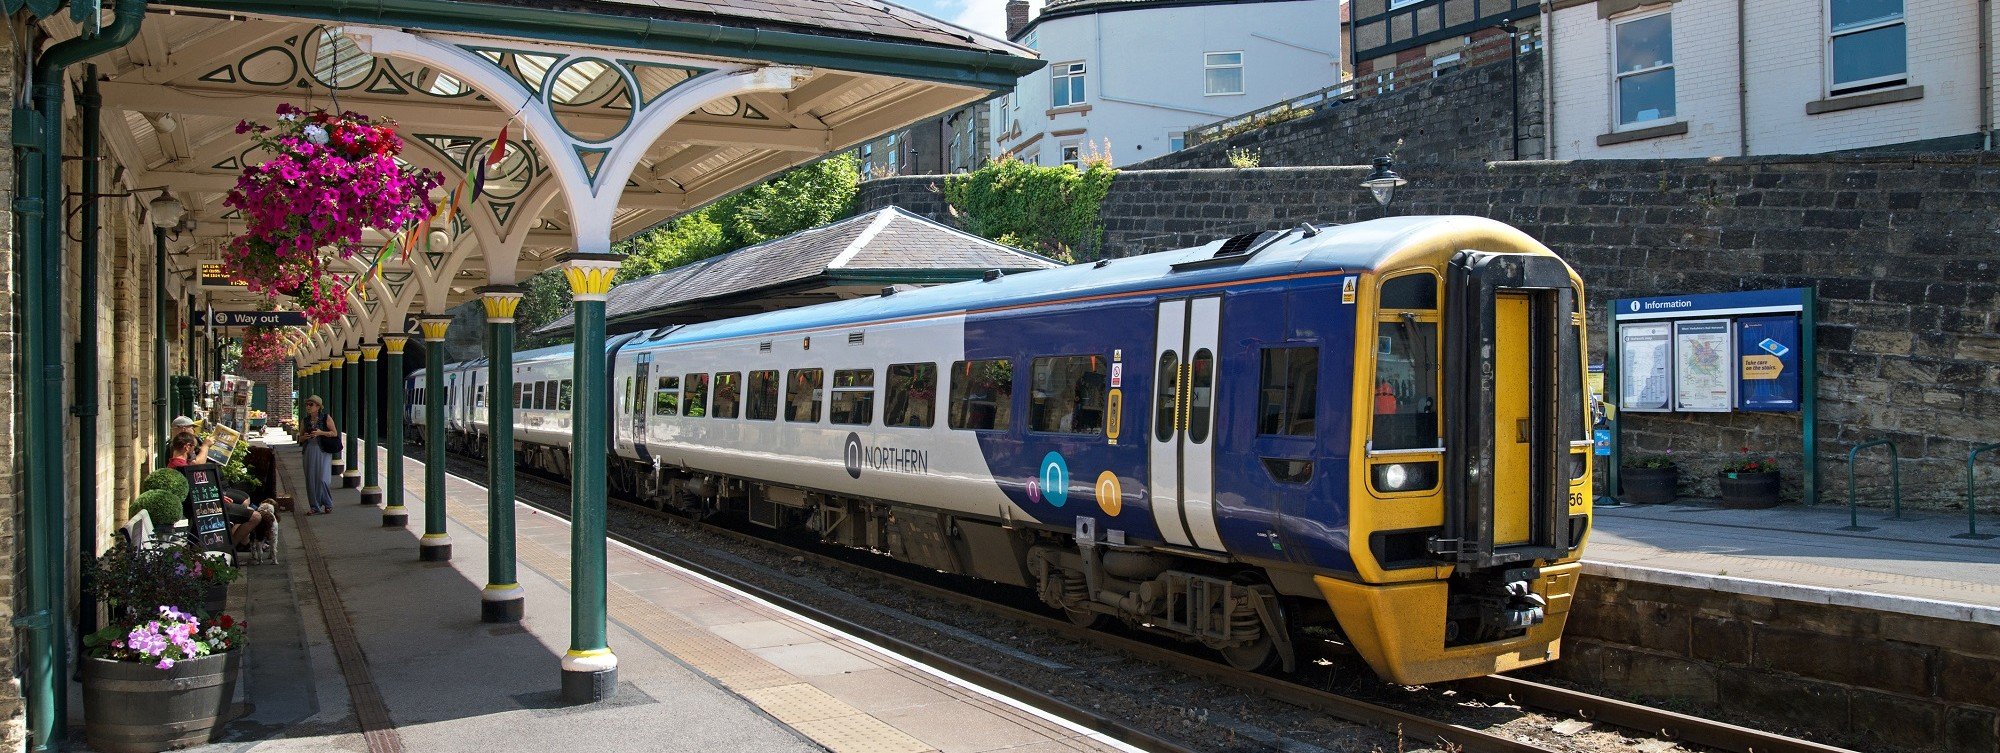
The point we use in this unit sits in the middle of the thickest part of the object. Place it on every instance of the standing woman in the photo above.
(320, 432)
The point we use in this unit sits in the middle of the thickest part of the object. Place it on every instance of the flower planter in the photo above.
(215, 598)
(257, 424)
(135, 707)
(1649, 486)
(1755, 491)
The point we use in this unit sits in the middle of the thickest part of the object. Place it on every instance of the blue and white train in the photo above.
(1378, 428)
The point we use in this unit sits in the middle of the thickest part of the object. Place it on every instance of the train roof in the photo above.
(1358, 247)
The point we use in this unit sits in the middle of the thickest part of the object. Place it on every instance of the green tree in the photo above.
(547, 299)
(802, 198)
(1049, 210)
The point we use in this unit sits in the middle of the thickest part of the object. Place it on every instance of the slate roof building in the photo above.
(851, 258)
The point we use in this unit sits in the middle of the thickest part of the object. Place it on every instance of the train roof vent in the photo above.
(764, 347)
(854, 338)
(1236, 250)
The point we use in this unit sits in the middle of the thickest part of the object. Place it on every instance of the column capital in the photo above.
(394, 343)
(352, 356)
(501, 300)
(371, 352)
(339, 359)
(590, 275)
(434, 327)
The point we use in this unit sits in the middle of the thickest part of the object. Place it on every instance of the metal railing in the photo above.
(1895, 485)
(1971, 498)
(1290, 109)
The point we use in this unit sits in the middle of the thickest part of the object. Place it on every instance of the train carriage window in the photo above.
(911, 398)
(1201, 395)
(982, 394)
(479, 400)
(853, 397)
(802, 394)
(694, 395)
(564, 394)
(1418, 292)
(728, 395)
(763, 396)
(667, 396)
(520, 395)
(1167, 394)
(1287, 391)
(1068, 396)
(541, 396)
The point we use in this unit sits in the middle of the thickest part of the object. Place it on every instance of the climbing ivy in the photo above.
(1049, 210)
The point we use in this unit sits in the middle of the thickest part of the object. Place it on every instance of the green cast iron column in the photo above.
(394, 515)
(436, 543)
(351, 478)
(371, 424)
(336, 407)
(589, 669)
(501, 601)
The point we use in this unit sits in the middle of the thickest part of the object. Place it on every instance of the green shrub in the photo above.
(1052, 211)
(162, 505)
(166, 480)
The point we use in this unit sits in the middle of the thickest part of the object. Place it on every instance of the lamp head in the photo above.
(166, 210)
(1383, 181)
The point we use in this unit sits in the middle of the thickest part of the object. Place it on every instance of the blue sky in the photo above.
(989, 16)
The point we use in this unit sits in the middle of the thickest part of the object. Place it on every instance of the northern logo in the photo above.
(852, 455)
(857, 456)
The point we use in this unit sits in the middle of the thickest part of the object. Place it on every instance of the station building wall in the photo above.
(1905, 252)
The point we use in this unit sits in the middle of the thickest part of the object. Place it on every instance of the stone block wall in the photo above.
(277, 383)
(13, 719)
(1861, 678)
(1466, 115)
(1904, 250)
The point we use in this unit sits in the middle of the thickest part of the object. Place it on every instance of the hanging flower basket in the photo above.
(263, 349)
(329, 178)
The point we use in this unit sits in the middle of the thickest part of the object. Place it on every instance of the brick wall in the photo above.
(1867, 679)
(1463, 116)
(1905, 252)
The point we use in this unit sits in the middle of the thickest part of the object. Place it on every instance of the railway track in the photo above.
(1642, 720)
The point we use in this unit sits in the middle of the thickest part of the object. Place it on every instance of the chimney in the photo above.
(1017, 17)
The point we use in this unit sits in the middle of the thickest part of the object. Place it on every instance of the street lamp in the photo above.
(1384, 181)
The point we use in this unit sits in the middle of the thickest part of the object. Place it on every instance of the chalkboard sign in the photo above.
(203, 508)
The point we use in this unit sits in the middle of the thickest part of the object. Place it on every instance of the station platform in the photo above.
(357, 646)
(1911, 566)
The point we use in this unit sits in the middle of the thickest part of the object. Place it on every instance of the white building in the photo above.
(1701, 78)
(1126, 77)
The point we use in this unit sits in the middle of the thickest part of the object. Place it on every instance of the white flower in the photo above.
(315, 134)
(288, 117)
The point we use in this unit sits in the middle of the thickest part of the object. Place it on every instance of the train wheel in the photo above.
(1267, 653)
(1084, 618)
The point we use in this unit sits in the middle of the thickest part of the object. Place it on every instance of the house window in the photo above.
(1394, 4)
(1072, 155)
(1176, 141)
(1224, 72)
(1643, 57)
(1444, 64)
(1867, 45)
(1066, 86)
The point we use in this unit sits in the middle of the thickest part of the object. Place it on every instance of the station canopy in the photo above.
(620, 113)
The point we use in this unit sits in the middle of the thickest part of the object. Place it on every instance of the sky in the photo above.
(988, 16)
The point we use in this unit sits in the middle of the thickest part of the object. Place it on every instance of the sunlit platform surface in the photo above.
(358, 646)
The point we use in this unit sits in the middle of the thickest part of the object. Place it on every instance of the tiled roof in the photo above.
(881, 243)
(855, 18)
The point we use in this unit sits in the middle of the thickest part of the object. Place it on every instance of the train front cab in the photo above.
(1465, 534)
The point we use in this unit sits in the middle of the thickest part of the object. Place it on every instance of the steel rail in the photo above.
(1649, 721)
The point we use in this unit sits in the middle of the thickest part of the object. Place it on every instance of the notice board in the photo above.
(1645, 352)
(1767, 357)
(1704, 366)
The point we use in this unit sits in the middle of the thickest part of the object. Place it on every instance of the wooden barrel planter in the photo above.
(135, 707)
(1649, 486)
(1753, 491)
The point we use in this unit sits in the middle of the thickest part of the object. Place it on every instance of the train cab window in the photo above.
(694, 395)
(911, 398)
(1287, 391)
(520, 395)
(1201, 395)
(1406, 365)
(1167, 395)
(853, 397)
(667, 396)
(802, 394)
(564, 394)
(762, 402)
(1068, 396)
(728, 395)
(982, 394)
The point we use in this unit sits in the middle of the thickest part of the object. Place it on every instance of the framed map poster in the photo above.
(1645, 367)
(1704, 366)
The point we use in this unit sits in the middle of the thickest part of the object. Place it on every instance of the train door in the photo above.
(1513, 489)
(1182, 456)
(642, 394)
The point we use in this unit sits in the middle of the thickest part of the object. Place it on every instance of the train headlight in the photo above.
(1406, 477)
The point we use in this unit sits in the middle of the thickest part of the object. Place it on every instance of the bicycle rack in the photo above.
(1972, 499)
(1895, 485)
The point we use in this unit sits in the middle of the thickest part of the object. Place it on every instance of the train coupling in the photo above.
(1490, 607)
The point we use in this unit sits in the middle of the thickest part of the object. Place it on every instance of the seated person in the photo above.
(246, 523)
(186, 450)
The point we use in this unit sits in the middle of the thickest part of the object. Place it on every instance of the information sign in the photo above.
(1645, 356)
(1767, 357)
(203, 507)
(251, 318)
(1704, 373)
